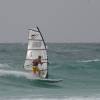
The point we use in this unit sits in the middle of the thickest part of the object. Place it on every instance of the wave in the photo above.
(4, 65)
(92, 60)
(50, 98)
(16, 73)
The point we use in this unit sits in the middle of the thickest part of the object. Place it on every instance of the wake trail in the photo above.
(4, 65)
(16, 73)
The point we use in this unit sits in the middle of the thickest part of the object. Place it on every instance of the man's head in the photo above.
(39, 57)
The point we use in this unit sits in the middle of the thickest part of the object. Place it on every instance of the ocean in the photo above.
(78, 64)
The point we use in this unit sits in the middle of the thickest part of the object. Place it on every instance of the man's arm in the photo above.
(40, 62)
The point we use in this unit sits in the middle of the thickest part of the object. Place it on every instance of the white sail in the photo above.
(36, 47)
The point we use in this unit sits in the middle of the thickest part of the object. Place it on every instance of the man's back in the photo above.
(36, 62)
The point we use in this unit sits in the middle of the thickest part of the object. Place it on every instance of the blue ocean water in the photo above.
(78, 64)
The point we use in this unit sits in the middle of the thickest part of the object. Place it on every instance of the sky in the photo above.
(58, 20)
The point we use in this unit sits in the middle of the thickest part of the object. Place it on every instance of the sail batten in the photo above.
(36, 47)
(35, 40)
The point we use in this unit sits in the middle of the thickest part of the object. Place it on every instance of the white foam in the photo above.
(4, 65)
(16, 73)
(92, 60)
(53, 98)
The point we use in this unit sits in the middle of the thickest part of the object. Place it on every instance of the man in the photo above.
(35, 67)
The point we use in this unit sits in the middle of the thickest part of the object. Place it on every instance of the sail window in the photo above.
(33, 36)
(36, 44)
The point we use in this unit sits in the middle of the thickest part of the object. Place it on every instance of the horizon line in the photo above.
(46, 42)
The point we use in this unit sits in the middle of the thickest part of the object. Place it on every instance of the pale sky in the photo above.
(58, 20)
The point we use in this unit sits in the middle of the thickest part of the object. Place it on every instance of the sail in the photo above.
(36, 47)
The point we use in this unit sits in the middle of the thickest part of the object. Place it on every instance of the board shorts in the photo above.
(35, 69)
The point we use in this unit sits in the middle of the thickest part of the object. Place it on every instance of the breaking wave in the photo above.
(51, 98)
(92, 60)
(4, 65)
(15, 73)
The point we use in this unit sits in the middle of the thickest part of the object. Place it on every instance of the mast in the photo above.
(45, 48)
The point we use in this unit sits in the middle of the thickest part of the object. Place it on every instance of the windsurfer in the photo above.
(35, 67)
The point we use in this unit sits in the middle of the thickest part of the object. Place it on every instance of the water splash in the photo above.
(91, 60)
(51, 98)
(16, 73)
(4, 65)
